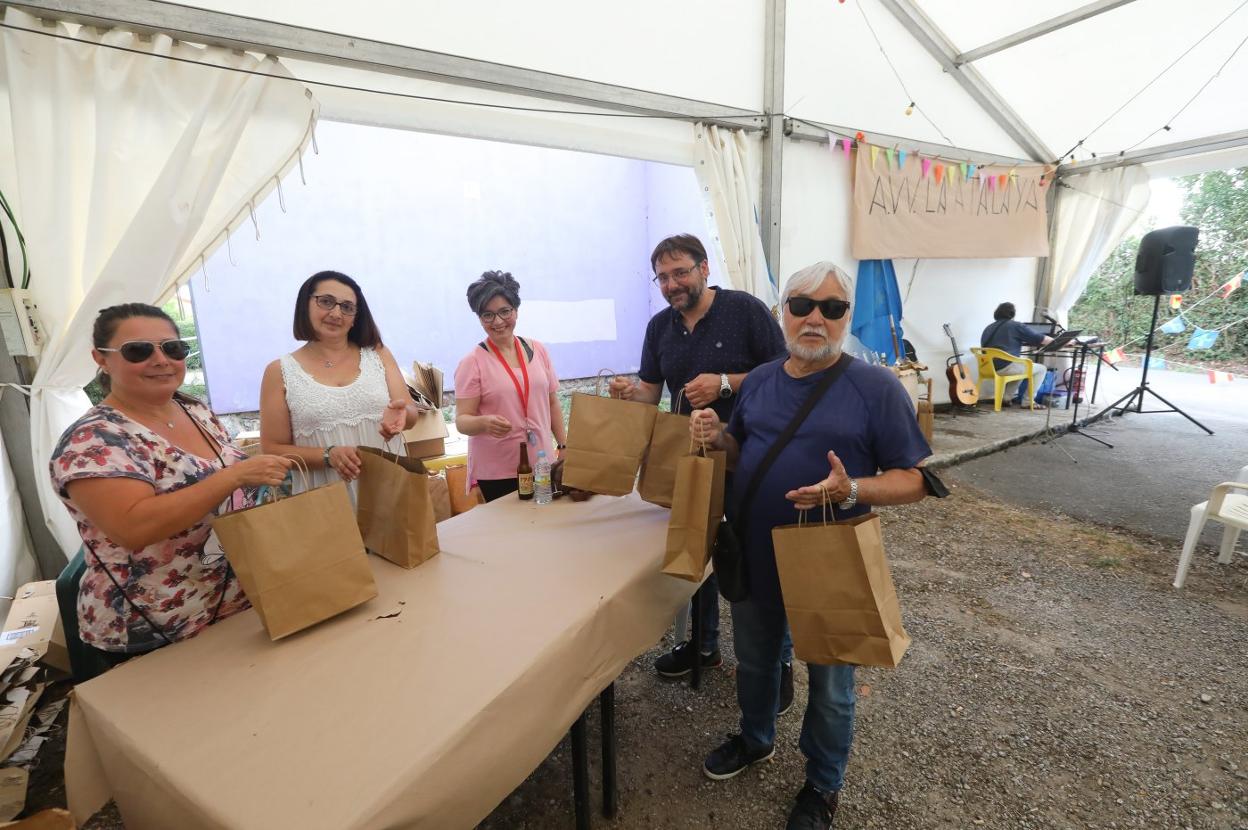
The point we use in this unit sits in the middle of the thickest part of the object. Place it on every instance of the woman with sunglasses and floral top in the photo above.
(341, 390)
(143, 473)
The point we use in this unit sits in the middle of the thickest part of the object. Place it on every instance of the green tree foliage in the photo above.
(1217, 203)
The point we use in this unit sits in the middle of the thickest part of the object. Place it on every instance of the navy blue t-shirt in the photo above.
(865, 417)
(736, 334)
(1009, 336)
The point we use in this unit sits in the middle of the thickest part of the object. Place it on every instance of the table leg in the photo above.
(610, 791)
(580, 774)
(695, 642)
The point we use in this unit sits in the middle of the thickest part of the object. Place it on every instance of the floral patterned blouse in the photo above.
(176, 582)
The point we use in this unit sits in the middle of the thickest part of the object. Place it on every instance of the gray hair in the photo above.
(490, 285)
(811, 277)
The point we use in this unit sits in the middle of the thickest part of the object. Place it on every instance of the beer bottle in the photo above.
(525, 473)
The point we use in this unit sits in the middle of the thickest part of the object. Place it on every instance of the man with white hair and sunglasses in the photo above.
(857, 446)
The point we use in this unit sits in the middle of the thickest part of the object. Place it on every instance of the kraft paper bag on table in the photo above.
(396, 513)
(462, 499)
(838, 592)
(697, 508)
(669, 443)
(606, 439)
(299, 559)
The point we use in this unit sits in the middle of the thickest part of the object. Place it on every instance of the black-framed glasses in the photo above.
(831, 309)
(328, 301)
(503, 313)
(679, 275)
(137, 351)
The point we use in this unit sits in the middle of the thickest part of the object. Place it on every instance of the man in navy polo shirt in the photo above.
(701, 348)
(859, 447)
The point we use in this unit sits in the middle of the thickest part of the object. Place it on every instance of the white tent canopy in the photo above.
(1024, 81)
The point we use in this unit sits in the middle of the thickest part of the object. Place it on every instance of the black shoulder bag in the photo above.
(728, 556)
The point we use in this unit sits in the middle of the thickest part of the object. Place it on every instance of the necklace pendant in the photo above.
(329, 364)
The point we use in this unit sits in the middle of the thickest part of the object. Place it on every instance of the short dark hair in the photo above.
(490, 285)
(107, 321)
(1005, 311)
(681, 243)
(363, 331)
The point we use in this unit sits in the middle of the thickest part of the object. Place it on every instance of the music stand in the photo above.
(1075, 428)
(1136, 396)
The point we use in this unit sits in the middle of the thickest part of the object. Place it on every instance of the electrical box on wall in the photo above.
(19, 323)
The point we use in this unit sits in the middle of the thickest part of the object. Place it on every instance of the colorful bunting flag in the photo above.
(1156, 363)
(1202, 338)
(992, 182)
(1176, 301)
(1113, 356)
(892, 156)
(1174, 325)
(1220, 377)
(926, 165)
(875, 152)
(831, 143)
(845, 142)
(939, 173)
(1230, 285)
(901, 158)
(1003, 181)
(971, 174)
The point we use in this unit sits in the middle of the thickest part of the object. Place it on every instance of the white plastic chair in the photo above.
(1223, 506)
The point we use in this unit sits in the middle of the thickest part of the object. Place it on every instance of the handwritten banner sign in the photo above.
(920, 207)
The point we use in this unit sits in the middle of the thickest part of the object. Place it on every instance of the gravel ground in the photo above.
(1056, 681)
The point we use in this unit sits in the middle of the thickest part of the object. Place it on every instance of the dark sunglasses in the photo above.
(830, 309)
(137, 351)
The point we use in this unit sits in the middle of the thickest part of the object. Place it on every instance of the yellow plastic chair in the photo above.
(988, 371)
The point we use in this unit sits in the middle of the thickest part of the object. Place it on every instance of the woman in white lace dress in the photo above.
(341, 390)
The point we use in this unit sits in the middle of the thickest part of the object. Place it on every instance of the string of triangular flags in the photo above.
(938, 167)
(1158, 362)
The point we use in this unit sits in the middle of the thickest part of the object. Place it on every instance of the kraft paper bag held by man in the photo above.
(816, 425)
(697, 509)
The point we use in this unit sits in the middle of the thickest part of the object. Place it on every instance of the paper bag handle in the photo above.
(302, 467)
(801, 512)
(602, 376)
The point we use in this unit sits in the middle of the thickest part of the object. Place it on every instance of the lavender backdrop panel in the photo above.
(414, 218)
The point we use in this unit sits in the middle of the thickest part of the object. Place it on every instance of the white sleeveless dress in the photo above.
(340, 416)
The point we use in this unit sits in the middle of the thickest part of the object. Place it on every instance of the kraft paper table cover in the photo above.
(427, 719)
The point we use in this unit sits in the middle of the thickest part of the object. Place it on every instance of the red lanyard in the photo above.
(524, 370)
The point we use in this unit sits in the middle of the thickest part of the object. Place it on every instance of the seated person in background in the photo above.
(1009, 335)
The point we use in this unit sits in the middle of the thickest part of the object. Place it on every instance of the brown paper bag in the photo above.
(440, 495)
(300, 559)
(395, 508)
(606, 440)
(462, 499)
(669, 443)
(838, 592)
(697, 507)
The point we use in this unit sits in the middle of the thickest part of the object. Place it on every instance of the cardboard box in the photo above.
(427, 438)
(34, 622)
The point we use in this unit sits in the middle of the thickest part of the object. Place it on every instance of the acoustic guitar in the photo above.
(962, 387)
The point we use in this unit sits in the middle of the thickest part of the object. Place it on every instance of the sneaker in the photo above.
(732, 757)
(786, 688)
(814, 809)
(679, 661)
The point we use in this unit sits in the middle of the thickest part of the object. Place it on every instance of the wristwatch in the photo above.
(853, 495)
(725, 388)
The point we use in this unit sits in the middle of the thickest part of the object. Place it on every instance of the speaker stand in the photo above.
(1133, 401)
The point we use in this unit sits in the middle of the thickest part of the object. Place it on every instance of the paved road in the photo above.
(1159, 467)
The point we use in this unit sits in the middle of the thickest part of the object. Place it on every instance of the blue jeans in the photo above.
(828, 727)
(708, 594)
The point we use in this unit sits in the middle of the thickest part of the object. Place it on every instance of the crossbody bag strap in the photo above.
(773, 452)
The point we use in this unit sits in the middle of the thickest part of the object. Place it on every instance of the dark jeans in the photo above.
(709, 596)
(828, 726)
(496, 488)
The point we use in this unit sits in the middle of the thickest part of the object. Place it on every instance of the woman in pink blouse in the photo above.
(143, 473)
(505, 391)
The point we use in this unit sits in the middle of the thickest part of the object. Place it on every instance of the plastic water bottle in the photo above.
(541, 479)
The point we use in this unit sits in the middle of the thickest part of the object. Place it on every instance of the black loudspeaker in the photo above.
(1165, 261)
